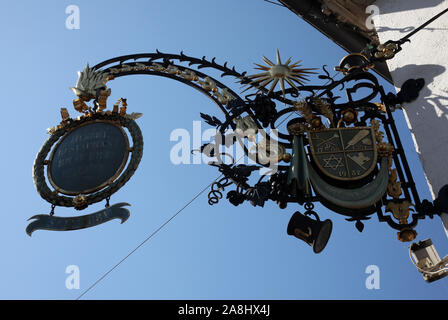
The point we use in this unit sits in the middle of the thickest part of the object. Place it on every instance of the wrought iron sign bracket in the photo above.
(344, 153)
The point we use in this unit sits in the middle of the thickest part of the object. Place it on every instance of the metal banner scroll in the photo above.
(47, 222)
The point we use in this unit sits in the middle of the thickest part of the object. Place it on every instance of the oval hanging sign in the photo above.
(88, 158)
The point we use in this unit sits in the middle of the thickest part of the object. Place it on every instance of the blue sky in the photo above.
(218, 252)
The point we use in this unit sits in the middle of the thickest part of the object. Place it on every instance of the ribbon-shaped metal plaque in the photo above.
(47, 222)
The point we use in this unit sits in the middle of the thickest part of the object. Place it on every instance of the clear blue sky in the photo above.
(219, 252)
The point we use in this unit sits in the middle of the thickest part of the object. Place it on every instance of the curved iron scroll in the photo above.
(177, 66)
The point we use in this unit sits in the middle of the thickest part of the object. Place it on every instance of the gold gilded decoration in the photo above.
(303, 235)
(87, 111)
(381, 106)
(51, 130)
(287, 157)
(305, 110)
(81, 106)
(298, 129)
(314, 120)
(407, 235)
(222, 95)
(344, 62)
(316, 123)
(279, 73)
(385, 149)
(65, 115)
(349, 116)
(324, 109)
(80, 202)
(89, 81)
(123, 107)
(386, 51)
(400, 210)
(134, 115)
(394, 186)
(375, 124)
(102, 100)
(208, 84)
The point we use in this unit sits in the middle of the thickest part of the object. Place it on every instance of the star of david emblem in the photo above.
(344, 153)
(333, 162)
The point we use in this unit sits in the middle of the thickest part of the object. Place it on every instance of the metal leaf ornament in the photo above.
(89, 81)
(279, 72)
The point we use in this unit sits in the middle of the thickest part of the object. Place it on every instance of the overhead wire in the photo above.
(161, 227)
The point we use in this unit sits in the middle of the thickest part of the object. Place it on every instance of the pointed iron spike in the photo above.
(264, 83)
(282, 85)
(269, 62)
(273, 85)
(291, 84)
(279, 61)
(263, 74)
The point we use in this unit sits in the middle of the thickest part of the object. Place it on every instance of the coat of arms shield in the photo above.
(344, 153)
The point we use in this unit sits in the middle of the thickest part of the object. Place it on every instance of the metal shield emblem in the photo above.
(344, 153)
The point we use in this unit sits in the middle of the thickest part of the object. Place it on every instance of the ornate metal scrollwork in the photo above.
(332, 150)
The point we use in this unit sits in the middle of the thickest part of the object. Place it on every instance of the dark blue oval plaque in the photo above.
(88, 158)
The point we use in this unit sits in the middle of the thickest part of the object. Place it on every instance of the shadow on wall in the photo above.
(406, 30)
(388, 6)
(432, 101)
(429, 119)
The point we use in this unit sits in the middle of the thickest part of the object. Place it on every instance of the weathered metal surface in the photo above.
(47, 222)
(358, 198)
(88, 158)
(344, 153)
(67, 201)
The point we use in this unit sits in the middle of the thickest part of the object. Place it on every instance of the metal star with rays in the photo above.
(279, 72)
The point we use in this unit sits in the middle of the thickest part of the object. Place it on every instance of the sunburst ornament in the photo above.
(279, 72)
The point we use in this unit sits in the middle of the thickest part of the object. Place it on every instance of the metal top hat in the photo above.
(315, 233)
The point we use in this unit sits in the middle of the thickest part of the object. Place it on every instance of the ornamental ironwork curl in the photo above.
(312, 102)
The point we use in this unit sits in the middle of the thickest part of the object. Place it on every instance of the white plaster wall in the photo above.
(426, 56)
